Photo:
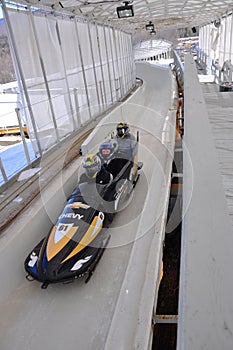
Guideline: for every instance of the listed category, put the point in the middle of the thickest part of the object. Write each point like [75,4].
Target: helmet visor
[120,132]
[105,152]
[92,170]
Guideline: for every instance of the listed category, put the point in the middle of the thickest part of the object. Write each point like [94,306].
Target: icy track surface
[113,310]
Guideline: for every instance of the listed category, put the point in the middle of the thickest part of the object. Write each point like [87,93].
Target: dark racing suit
[103,177]
[126,146]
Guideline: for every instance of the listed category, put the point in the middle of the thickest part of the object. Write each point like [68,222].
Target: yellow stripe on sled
[53,248]
[90,235]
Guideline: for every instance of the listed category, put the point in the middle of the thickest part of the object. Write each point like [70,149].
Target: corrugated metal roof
[165,14]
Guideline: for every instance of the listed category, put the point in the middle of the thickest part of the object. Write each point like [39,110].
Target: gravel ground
[165,334]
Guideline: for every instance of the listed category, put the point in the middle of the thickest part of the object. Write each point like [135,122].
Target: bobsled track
[114,309]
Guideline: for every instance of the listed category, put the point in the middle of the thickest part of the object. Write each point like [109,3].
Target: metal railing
[222,74]
[178,67]
[225,74]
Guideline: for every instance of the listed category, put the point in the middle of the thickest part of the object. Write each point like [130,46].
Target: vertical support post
[122,64]
[117,60]
[109,73]
[230,46]
[93,63]
[113,64]
[220,76]
[20,73]
[101,92]
[126,66]
[225,40]
[133,63]
[5,178]
[83,70]
[231,34]
[129,54]
[101,65]
[77,107]
[208,35]
[220,46]
[17,111]
[121,86]
[44,76]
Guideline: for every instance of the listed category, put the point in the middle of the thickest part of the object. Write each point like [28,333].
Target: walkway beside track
[220,112]
[205,300]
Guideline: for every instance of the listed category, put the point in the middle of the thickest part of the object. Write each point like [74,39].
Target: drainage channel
[166,316]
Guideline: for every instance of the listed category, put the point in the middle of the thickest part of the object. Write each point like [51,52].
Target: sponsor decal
[61,231]
[33,260]
[71,216]
[80,263]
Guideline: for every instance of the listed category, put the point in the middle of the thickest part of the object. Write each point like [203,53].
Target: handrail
[222,74]
[225,73]
[179,67]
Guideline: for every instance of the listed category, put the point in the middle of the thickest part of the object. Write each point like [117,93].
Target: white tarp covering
[71,73]
[217,41]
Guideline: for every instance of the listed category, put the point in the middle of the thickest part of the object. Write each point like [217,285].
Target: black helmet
[107,149]
[122,129]
[92,165]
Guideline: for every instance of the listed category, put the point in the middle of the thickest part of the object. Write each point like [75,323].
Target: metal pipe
[117,61]
[109,74]
[113,65]
[17,111]
[129,51]
[231,34]
[93,63]
[5,178]
[101,63]
[124,73]
[127,64]
[165,319]
[77,107]
[225,39]
[134,75]
[83,70]
[127,60]
[101,92]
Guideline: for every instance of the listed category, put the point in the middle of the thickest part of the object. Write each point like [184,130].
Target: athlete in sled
[77,241]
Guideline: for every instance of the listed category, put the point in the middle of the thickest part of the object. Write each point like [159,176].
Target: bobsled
[77,241]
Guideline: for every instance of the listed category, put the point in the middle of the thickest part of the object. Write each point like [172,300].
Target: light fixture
[125,11]
[153,32]
[217,23]
[150,26]
[194,30]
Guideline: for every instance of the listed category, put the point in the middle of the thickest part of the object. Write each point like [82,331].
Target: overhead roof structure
[150,48]
[164,14]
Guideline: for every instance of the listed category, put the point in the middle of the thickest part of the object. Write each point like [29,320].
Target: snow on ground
[14,159]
